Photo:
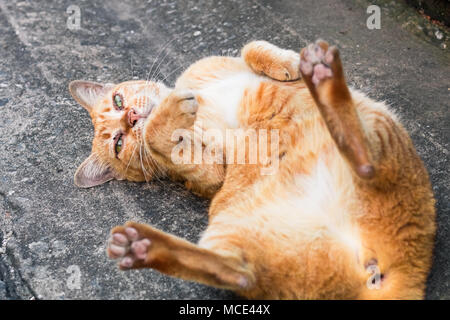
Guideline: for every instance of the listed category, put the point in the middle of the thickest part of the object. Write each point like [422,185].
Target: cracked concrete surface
[52,234]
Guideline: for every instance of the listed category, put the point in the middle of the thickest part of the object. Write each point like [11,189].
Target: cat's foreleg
[276,63]
[138,246]
[172,139]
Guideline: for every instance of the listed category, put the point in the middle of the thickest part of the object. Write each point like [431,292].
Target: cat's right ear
[92,172]
[87,93]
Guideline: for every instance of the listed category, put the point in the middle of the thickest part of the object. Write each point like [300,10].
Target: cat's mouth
[135,116]
[139,128]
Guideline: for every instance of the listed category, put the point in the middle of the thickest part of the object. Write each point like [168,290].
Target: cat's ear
[87,93]
[92,172]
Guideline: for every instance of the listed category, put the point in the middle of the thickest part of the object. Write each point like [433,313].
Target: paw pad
[318,61]
[127,247]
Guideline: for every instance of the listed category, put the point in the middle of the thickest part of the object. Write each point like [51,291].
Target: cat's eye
[118,144]
[118,101]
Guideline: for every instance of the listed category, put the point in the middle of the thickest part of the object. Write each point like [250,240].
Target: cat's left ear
[92,172]
[87,93]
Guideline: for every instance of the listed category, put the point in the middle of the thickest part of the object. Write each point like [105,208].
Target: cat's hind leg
[137,246]
[322,72]
[398,224]
[276,63]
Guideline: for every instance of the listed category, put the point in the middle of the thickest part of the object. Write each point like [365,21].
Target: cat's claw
[126,245]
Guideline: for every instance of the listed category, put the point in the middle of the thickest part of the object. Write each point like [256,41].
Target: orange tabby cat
[348,213]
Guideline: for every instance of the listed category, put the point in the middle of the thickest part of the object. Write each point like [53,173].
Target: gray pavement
[53,234]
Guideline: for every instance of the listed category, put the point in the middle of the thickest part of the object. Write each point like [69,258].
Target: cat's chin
[164,92]
[147,123]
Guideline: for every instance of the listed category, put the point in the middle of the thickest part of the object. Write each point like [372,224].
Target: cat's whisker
[158,68]
[141,141]
[172,72]
[151,162]
[150,73]
[159,170]
[131,158]
[142,165]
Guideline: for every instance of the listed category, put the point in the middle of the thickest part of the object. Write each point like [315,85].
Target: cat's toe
[131,234]
[115,252]
[117,245]
[126,263]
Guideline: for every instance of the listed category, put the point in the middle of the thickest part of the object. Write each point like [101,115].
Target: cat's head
[118,113]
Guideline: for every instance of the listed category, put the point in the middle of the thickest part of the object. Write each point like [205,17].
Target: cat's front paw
[129,246]
[177,111]
[180,102]
[187,103]
[181,109]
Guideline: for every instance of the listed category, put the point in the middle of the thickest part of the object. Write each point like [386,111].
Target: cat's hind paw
[320,62]
[272,61]
[322,71]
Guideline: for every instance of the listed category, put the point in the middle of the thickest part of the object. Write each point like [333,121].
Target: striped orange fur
[350,194]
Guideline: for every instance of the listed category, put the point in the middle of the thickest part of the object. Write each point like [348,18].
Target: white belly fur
[311,210]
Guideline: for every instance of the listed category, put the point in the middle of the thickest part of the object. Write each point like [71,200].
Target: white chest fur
[225,95]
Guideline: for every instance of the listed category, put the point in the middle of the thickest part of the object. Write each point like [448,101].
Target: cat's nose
[133,117]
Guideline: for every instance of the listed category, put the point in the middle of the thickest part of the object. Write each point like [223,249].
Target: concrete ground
[53,234]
